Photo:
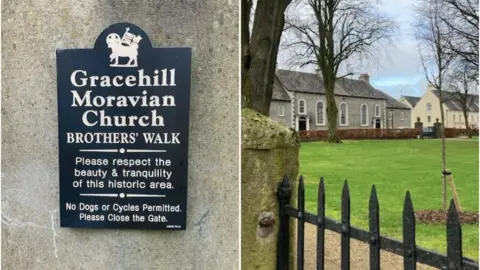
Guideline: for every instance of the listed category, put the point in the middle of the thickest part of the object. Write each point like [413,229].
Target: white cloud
[398,68]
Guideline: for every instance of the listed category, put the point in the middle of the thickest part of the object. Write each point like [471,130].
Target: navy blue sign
[123,118]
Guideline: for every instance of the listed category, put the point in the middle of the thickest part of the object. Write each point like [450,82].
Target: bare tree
[461,19]
[463,84]
[259,51]
[332,32]
[433,36]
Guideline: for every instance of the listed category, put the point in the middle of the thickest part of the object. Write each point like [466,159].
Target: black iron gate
[408,249]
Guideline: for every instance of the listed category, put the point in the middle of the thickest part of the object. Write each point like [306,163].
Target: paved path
[359,253]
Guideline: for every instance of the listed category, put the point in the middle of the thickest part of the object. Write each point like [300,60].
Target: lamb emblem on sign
[127,46]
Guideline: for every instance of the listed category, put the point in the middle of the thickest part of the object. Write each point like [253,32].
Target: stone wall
[31,237]
[269,151]
[353,110]
[394,118]
[286,119]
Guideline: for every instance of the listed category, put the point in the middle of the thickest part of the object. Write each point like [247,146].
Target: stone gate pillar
[419,126]
[269,151]
[437,128]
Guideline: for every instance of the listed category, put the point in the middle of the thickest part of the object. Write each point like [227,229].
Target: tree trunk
[444,156]
[469,133]
[245,40]
[267,29]
[246,91]
[332,113]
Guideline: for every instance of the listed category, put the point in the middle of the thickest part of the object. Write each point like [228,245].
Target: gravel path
[359,253]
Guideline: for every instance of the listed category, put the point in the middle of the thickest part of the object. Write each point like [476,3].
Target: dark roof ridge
[413,100]
[281,69]
[410,96]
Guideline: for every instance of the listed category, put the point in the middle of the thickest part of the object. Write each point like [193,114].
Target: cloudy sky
[396,69]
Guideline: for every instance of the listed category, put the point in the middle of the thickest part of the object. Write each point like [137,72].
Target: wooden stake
[454,191]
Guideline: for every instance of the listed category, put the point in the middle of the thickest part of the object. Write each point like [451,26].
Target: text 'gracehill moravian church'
[162,78]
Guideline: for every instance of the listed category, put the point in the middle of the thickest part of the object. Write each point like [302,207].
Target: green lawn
[394,166]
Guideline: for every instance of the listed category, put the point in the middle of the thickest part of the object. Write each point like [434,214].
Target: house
[299,102]
[410,101]
[427,108]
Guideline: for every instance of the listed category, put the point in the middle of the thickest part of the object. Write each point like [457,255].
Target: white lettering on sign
[80,78]
[102,137]
[122,119]
[120,101]
[93,118]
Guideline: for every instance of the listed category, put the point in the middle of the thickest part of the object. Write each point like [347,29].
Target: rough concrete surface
[269,151]
[31,237]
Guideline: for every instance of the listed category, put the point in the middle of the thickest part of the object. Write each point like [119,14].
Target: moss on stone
[269,151]
[261,132]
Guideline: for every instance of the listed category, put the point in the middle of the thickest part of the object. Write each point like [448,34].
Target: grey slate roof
[359,88]
[279,92]
[304,82]
[312,83]
[451,101]
[393,103]
[412,100]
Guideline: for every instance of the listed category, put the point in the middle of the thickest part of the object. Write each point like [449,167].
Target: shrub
[358,134]
[455,132]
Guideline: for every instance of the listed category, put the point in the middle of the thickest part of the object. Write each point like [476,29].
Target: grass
[394,166]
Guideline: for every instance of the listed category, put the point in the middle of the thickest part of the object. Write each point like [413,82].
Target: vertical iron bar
[409,248]
[321,226]
[454,238]
[301,224]
[284,194]
[345,240]
[374,214]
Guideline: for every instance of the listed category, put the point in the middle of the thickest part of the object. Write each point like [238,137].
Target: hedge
[357,134]
[455,132]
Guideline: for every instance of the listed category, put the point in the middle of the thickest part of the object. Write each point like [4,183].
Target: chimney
[430,87]
[364,77]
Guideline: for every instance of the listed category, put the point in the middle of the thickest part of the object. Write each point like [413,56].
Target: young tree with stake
[433,35]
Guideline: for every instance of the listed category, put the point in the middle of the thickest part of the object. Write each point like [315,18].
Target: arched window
[364,115]
[429,107]
[302,107]
[320,113]
[377,110]
[343,114]
[402,116]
